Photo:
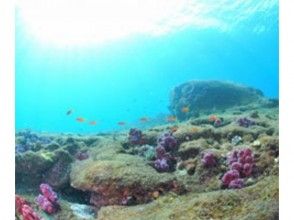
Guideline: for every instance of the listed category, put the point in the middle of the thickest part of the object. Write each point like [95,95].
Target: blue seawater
[132,77]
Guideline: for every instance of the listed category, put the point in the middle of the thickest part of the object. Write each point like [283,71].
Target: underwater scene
[147,110]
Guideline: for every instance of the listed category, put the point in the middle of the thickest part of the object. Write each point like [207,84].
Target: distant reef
[210,96]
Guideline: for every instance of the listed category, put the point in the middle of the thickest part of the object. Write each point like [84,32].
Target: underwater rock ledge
[259,201]
[119,178]
[211,95]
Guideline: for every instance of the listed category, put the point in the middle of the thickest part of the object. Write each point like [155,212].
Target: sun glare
[84,22]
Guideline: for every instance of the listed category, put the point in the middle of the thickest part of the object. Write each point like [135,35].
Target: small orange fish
[174,129]
[121,123]
[80,119]
[92,122]
[144,119]
[212,118]
[69,112]
[185,109]
[171,118]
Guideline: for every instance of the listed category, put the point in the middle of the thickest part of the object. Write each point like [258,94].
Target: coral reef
[194,169]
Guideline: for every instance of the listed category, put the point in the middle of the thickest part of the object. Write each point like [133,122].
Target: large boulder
[113,177]
[210,96]
[33,168]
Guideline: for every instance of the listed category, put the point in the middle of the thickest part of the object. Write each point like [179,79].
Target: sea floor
[111,176]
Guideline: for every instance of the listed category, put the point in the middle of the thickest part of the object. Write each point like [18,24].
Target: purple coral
[45,204]
[241,163]
[49,200]
[164,160]
[168,141]
[217,123]
[236,183]
[237,166]
[135,136]
[208,159]
[242,160]
[160,151]
[229,176]
[245,122]
[28,140]
[161,165]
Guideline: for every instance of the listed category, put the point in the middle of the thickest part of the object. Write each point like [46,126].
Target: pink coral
[46,205]
[237,166]
[242,160]
[241,164]
[48,202]
[48,192]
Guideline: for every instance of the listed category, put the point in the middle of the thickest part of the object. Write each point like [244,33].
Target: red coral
[24,209]
[29,214]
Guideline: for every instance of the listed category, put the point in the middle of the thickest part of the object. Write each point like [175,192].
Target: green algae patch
[259,201]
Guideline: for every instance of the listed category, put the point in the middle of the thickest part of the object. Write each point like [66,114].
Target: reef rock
[30,167]
[207,96]
[190,149]
[259,201]
[58,175]
[113,178]
[34,167]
